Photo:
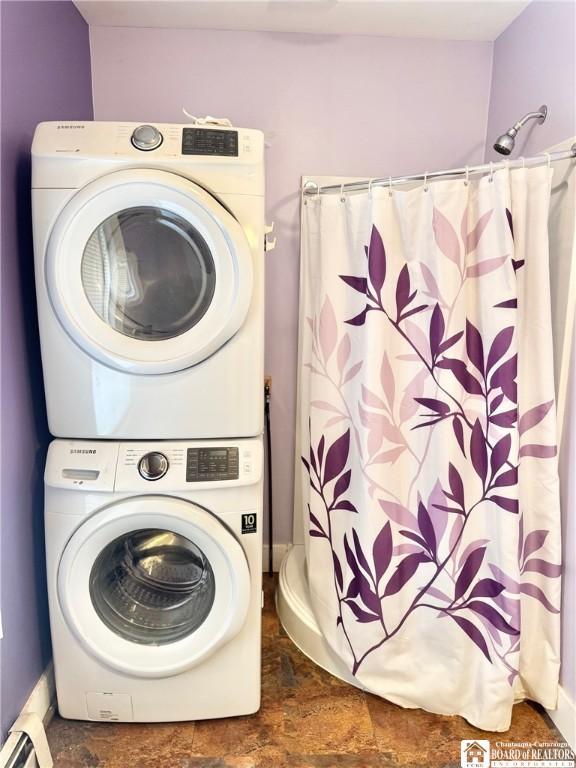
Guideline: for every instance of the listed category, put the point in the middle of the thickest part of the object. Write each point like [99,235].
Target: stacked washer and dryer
[149,257]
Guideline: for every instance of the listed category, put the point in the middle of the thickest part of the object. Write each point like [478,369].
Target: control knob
[153,465]
[146,138]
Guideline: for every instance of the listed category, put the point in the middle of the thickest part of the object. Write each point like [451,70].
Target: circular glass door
[152,585]
[147,272]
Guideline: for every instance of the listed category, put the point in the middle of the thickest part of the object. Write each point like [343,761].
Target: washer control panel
[206,464]
[189,465]
[207,141]
[173,465]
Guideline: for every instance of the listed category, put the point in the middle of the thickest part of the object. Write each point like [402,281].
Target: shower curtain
[427,431]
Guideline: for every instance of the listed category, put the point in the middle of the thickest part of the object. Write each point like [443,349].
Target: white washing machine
[154,565]
[150,279]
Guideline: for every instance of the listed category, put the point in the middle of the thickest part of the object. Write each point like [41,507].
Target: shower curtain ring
[389,186]
[342,198]
[467,179]
[425,181]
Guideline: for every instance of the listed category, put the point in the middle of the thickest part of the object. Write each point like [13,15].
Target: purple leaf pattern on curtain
[399,549]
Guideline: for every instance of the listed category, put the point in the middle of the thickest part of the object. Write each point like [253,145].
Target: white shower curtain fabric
[428,441]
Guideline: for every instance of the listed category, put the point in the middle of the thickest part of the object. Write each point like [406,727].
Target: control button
[247,467]
[146,138]
[153,466]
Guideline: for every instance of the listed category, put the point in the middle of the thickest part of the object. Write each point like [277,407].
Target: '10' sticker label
[249,523]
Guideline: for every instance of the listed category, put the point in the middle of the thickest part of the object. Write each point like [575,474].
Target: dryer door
[153,585]
[147,272]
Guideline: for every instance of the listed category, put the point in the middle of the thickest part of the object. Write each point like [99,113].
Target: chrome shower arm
[540,116]
[505,143]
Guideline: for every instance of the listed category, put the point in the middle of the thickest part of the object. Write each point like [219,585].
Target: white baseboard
[564,717]
[278,552]
[40,703]
[41,700]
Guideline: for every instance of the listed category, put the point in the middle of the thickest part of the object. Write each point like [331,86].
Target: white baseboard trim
[564,717]
[278,552]
[41,704]
[41,700]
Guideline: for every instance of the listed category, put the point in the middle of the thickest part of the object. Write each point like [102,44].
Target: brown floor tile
[420,738]
[118,745]
[270,626]
[225,762]
[299,675]
[202,762]
[340,761]
[261,760]
[321,723]
[246,737]
[308,719]
[270,621]
[271,673]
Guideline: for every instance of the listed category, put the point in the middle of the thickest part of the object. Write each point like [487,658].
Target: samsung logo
[82,450]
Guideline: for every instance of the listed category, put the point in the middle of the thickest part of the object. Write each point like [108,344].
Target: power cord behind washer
[269,474]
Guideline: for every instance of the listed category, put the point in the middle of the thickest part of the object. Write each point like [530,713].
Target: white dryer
[149,275]
[154,566]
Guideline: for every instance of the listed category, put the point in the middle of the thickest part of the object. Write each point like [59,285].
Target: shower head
[505,143]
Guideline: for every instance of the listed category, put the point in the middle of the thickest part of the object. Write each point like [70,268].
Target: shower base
[296,616]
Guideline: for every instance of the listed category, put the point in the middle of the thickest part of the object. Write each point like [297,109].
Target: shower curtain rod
[310,188]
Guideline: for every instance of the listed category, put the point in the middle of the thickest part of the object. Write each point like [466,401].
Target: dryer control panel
[226,160]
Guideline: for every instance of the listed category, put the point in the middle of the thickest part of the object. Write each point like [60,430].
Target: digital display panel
[206,141]
[205,464]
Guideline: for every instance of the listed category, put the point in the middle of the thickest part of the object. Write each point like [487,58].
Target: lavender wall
[45,76]
[534,64]
[329,105]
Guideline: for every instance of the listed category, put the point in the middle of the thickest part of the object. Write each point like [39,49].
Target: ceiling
[436,19]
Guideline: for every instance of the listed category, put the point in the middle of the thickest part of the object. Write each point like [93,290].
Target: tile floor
[308,719]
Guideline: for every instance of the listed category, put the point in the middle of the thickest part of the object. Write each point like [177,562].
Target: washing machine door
[151,586]
[148,272]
